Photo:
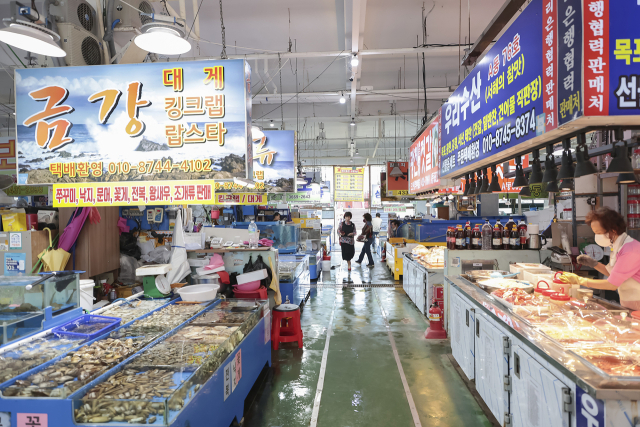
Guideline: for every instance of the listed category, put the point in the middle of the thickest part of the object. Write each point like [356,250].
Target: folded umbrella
[54,260]
[73,228]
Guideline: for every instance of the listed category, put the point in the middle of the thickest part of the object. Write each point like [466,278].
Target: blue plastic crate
[76,327]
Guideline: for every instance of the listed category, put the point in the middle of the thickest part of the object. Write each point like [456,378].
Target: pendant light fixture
[495,184]
[552,187]
[627,178]
[620,162]
[472,185]
[342,98]
[485,182]
[520,180]
[536,169]
[583,165]
[479,182]
[526,192]
[567,185]
[164,35]
[353,121]
[550,171]
[32,38]
[466,186]
[566,168]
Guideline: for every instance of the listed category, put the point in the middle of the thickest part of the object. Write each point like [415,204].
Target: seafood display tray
[88,326]
[164,391]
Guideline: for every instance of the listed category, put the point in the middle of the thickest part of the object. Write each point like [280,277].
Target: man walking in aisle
[377,221]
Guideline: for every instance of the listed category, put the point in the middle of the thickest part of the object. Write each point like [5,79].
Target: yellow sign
[129,193]
[241,199]
[397,193]
[349,184]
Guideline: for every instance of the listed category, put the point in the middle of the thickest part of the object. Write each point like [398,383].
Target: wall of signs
[349,184]
[134,122]
[424,158]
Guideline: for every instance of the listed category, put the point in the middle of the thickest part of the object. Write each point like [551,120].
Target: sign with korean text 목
[349,184]
[134,193]
[504,101]
[424,159]
[134,122]
[274,160]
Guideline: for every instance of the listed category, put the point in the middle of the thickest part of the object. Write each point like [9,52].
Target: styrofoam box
[527,273]
[251,277]
[520,267]
[153,270]
[198,262]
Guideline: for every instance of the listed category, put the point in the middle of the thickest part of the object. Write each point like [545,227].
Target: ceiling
[386,96]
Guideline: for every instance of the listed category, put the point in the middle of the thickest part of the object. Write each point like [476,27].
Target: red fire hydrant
[435,331]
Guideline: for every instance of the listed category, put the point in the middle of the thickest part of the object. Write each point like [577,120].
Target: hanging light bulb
[479,183]
[342,98]
[566,169]
[495,185]
[271,124]
[353,121]
[163,36]
[485,182]
[357,152]
[566,185]
[552,187]
[354,60]
[536,171]
[620,162]
[627,178]
[550,171]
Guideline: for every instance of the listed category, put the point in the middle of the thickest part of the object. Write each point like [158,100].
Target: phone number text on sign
[123,193]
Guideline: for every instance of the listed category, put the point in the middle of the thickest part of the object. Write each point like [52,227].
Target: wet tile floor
[362,383]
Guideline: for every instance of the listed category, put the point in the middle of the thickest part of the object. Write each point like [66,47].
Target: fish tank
[23,300]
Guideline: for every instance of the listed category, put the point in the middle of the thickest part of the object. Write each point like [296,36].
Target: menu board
[349,184]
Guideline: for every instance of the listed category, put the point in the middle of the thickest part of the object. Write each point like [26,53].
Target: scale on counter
[154,281]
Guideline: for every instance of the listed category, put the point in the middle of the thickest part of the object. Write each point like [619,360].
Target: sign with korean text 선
[130,193]
[397,178]
[349,184]
[424,158]
[134,122]
[504,101]
[274,160]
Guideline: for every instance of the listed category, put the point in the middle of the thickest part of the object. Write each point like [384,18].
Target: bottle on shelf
[487,232]
[254,235]
[497,238]
[460,240]
[499,225]
[467,235]
[451,238]
[522,231]
[476,238]
[506,235]
[514,238]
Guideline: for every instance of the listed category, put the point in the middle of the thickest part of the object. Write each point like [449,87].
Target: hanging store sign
[129,193]
[349,184]
[424,158]
[133,122]
[398,179]
[274,159]
[240,199]
[569,60]
[502,102]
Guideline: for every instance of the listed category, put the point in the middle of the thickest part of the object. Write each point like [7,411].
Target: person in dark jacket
[367,237]
[347,231]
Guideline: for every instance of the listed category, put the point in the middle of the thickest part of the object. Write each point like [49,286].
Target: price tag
[5,419]
[227,380]
[33,420]
[238,370]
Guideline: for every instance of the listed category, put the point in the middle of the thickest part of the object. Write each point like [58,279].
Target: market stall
[164,364]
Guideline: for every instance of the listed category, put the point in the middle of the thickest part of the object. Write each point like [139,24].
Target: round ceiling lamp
[164,38]
[32,38]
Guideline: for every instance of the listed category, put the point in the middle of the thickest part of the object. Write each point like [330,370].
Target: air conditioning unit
[82,47]
[130,17]
[77,12]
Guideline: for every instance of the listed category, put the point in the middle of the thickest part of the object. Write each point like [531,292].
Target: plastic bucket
[326,265]
[86,294]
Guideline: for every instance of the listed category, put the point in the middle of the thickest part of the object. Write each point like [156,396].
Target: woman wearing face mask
[624,263]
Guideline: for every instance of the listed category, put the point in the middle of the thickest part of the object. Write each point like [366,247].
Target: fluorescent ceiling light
[32,38]
[164,38]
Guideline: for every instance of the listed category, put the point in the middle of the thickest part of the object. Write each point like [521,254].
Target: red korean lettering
[173,77]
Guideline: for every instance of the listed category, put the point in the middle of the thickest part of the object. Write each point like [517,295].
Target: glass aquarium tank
[23,300]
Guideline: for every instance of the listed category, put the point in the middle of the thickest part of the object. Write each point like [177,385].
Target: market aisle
[362,383]
[359,274]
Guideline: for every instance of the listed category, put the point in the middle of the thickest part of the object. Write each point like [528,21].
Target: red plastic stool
[285,325]
[261,293]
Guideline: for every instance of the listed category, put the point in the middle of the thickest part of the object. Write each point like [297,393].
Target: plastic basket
[88,321]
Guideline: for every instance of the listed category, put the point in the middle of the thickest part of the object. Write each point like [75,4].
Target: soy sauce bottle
[506,236]
[467,235]
[460,240]
[497,238]
[514,238]
[476,238]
